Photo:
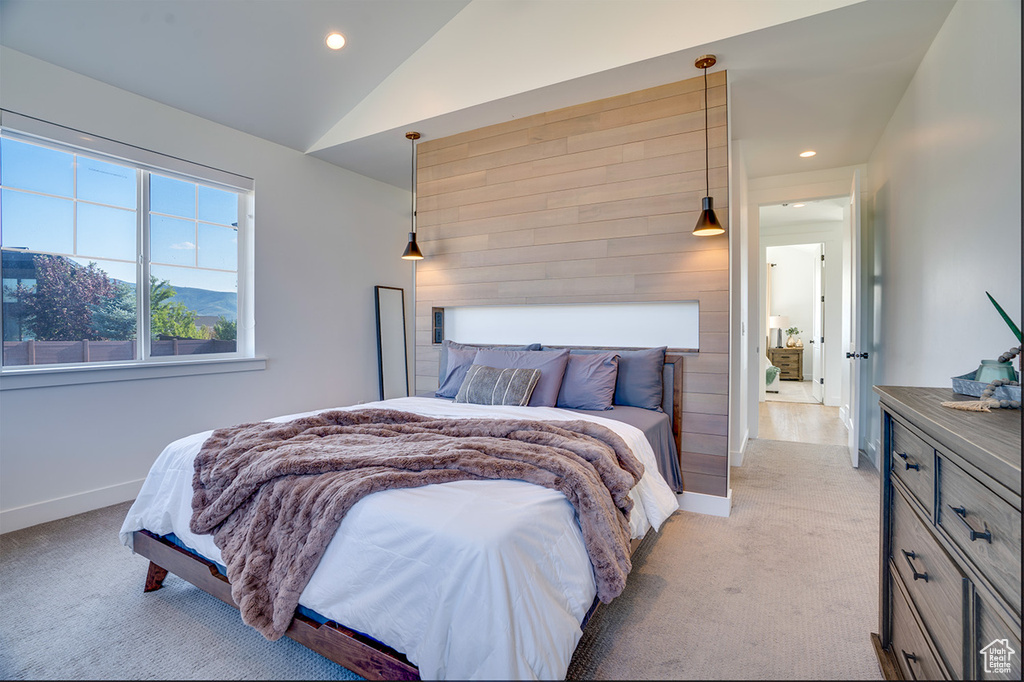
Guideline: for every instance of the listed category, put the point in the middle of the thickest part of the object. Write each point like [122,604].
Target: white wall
[323,238]
[945,186]
[743,354]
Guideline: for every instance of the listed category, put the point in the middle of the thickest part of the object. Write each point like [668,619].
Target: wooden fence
[52,352]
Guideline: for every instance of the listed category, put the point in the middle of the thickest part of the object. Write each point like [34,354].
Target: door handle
[855,355]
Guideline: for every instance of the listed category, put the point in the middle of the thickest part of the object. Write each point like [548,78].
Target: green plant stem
[1014,328]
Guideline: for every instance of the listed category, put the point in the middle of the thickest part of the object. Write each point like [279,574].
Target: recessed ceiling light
[335,41]
[799,205]
[807,154]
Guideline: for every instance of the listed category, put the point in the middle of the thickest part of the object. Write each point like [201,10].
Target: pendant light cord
[412,197]
[707,156]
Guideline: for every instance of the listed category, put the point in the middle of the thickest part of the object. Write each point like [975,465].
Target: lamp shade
[778,321]
[707,223]
[412,251]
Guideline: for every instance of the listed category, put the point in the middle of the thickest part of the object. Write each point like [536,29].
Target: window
[113,254]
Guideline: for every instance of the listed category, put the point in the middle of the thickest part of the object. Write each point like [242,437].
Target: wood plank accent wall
[594,203]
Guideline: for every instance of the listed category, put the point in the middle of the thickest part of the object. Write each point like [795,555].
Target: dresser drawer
[935,584]
[913,461]
[994,641]
[909,644]
[984,526]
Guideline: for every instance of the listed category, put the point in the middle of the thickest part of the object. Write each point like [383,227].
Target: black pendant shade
[707,223]
[412,251]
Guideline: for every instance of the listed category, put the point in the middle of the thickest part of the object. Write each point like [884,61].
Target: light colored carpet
[785,588]
[72,608]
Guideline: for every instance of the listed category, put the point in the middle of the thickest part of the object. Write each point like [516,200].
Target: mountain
[205,302]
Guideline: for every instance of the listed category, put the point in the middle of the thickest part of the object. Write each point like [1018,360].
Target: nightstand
[790,361]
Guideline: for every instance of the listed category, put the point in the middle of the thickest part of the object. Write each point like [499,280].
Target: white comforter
[471,579]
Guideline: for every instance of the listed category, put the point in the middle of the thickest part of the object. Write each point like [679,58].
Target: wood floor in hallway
[800,422]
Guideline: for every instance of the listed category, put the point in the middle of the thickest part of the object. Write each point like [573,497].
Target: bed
[486,579]
[771,375]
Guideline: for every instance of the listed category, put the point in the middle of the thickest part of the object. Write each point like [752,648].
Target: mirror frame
[380,349]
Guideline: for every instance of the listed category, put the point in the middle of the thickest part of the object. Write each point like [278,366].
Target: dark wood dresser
[950,565]
[790,361]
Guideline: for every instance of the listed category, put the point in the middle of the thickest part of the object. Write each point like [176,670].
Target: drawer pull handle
[961,514]
[909,658]
[910,556]
[915,467]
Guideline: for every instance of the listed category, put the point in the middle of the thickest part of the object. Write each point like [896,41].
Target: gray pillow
[551,364]
[442,369]
[589,381]
[493,386]
[459,361]
[639,382]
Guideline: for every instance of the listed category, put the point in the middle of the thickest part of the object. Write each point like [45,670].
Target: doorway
[801,296]
[794,279]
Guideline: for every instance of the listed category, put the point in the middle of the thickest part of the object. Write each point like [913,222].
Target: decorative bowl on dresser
[790,361]
[949,564]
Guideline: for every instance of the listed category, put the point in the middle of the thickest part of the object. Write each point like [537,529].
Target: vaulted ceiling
[820,74]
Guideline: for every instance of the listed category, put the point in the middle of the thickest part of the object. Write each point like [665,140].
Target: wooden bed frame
[362,655]
[355,651]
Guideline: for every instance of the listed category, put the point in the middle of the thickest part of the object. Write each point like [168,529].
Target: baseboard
[872,453]
[699,503]
[62,507]
[736,456]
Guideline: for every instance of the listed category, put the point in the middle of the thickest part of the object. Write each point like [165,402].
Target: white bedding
[471,579]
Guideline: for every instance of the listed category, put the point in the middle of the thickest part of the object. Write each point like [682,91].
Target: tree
[60,305]
[165,316]
[225,329]
[114,318]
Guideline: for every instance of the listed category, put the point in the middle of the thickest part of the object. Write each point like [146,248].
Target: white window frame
[25,128]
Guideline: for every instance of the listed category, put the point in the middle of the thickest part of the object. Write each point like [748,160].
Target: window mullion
[142,295]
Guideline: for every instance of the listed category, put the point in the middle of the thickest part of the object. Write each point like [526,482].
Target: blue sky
[192,228]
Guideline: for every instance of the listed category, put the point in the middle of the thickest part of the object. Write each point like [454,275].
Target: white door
[817,332]
[852,355]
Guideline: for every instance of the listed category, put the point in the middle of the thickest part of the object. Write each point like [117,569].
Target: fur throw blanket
[273,494]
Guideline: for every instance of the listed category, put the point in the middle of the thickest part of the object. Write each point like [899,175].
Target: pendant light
[412,251]
[707,224]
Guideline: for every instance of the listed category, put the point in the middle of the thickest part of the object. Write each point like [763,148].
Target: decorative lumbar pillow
[639,381]
[497,386]
[589,381]
[446,345]
[459,361]
[551,364]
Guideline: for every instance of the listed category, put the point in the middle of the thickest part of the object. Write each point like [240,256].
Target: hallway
[801,422]
[792,392]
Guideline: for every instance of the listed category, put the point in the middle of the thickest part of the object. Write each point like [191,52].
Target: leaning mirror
[392,360]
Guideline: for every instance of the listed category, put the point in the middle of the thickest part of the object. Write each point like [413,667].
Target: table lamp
[778,322]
